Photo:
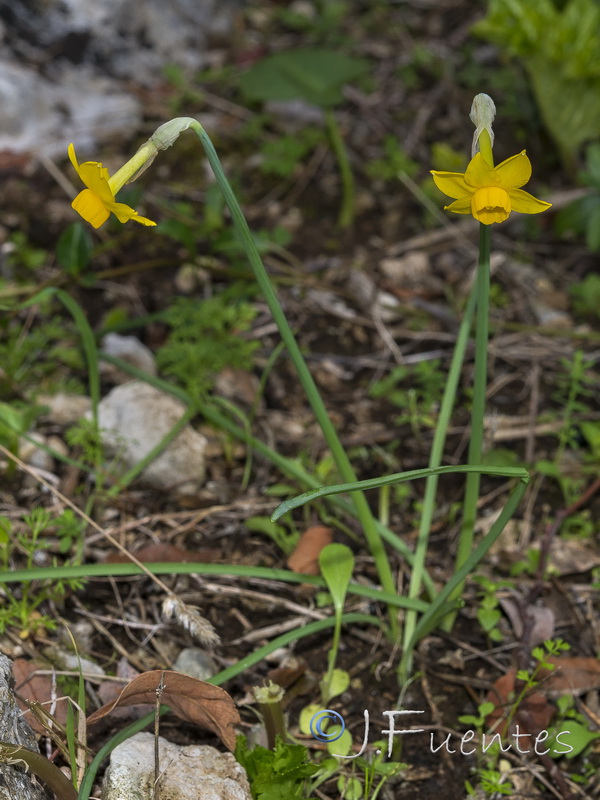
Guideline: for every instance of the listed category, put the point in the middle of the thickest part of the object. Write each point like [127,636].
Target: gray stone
[74,94]
[196,663]
[14,783]
[134,418]
[129,349]
[195,772]
[65,409]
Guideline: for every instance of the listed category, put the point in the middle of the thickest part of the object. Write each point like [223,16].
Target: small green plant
[282,155]
[337,565]
[205,338]
[21,610]
[283,538]
[488,613]
[394,161]
[492,782]
[576,389]
[276,774]
[415,390]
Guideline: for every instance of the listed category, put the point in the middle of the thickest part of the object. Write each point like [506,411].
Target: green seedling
[205,338]
[337,565]
[283,538]
[492,782]
[488,613]
[20,609]
[278,773]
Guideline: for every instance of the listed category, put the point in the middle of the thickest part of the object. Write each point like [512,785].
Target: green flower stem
[465,544]
[435,460]
[346,215]
[342,461]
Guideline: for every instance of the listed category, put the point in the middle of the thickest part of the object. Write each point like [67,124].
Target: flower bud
[482,115]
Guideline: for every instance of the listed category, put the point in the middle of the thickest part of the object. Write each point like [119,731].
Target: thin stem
[435,460]
[346,215]
[465,544]
[342,461]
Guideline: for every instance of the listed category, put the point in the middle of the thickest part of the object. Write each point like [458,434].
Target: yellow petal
[513,173]
[124,213]
[95,177]
[73,158]
[526,203]
[143,221]
[479,173]
[451,183]
[462,206]
[91,208]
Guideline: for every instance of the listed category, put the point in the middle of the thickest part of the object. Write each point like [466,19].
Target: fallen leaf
[38,689]
[575,675]
[108,691]
[533,714]
[190,699]
[305,558]
[543,620]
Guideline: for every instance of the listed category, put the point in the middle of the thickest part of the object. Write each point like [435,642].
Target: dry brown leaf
[37,689]
[190,699]
[305,558]
[533,714]
[574,675]
[108,691]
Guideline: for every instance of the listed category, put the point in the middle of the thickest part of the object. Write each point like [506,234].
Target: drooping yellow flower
[490,193]
[96,202]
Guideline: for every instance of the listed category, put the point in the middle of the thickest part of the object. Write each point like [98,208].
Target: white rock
[129,349]
[35,456]
[65,409]
[134,418]
[195,772]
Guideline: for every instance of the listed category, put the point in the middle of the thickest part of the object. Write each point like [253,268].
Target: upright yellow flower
[490,193]
[96,202]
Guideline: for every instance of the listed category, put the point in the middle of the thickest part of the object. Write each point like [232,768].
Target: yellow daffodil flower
[96,202]
[490,193]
